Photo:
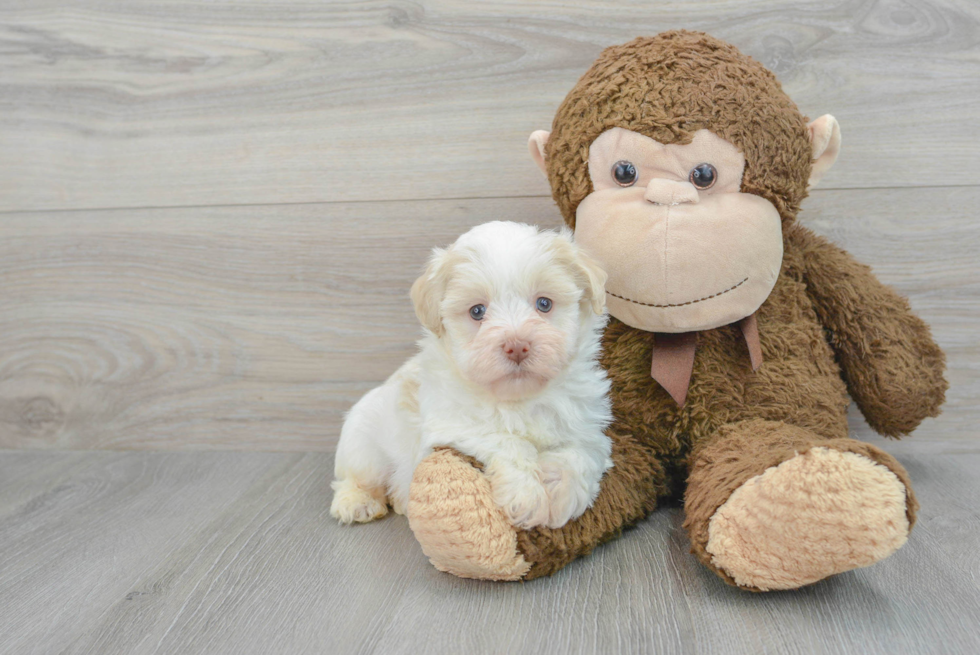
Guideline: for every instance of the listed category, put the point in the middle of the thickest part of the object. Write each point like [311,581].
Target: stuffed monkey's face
[684,249]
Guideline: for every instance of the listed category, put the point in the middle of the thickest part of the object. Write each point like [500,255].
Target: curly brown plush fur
[668,87]
[828,328]
[801,384]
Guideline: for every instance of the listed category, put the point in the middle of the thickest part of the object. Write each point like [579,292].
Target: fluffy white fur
[537,424]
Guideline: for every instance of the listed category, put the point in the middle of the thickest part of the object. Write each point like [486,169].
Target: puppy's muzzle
[517,350]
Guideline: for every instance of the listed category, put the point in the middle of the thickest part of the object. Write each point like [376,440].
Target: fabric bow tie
[673,357]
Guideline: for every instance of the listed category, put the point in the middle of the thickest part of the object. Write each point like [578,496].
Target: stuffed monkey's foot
[817,514]
[823,510]
[460,528]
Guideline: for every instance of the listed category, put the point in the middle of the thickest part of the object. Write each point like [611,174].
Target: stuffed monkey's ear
[825,140]
[535,145]
[428,290]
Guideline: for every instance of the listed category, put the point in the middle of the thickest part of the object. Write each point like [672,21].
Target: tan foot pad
[454,518]
[815,515]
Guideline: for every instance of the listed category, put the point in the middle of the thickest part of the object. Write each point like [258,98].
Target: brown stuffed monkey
[735,335]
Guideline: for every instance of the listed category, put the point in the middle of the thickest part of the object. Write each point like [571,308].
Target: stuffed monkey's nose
[670,192]
[517,350]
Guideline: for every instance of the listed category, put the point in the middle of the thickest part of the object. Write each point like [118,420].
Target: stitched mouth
[682,304]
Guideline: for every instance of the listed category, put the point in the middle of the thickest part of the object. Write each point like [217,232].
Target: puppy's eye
[703,176]
[624,172]
[543,305]
[477,312]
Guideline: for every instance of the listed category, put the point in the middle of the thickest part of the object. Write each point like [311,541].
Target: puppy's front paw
[355,504]
[521,497]
[569,494]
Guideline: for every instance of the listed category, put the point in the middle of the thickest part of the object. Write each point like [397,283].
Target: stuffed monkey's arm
[892,366]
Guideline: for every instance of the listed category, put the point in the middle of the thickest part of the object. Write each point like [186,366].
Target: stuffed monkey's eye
[703,176]
[477,312]
[543,305]
[624,172]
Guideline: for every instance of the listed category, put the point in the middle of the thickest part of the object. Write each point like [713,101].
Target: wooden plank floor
[154,104]
[210,214]
[139,552]
[256,328]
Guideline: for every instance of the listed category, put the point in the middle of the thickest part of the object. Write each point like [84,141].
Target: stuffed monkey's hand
[892,365]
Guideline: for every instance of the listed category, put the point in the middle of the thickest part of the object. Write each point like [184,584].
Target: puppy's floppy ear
[428,290]
[588,272]
[596,280]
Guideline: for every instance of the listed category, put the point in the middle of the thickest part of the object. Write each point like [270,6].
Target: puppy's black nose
[517,350]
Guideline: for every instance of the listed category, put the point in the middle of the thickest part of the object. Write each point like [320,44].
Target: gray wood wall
[210,213]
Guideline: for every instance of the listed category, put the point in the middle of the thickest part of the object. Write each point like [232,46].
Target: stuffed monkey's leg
[773,506]
[452,514]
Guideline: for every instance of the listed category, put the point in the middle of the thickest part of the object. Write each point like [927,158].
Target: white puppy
[507,373]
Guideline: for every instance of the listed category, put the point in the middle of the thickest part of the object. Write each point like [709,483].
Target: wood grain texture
[256,328]
[234,328]
[306,156]
[235,553]
[143,104]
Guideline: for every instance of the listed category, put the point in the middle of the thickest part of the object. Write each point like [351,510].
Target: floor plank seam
[328,203]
